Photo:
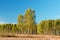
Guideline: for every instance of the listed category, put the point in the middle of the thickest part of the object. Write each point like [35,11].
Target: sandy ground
[36,37]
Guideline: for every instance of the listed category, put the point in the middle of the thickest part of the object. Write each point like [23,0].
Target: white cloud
[2,22]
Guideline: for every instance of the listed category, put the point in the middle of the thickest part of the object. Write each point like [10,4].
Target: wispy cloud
[2,22]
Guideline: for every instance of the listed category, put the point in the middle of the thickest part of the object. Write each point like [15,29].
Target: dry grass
[31,37]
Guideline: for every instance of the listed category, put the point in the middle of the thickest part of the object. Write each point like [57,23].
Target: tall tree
[30,21]
[20,23]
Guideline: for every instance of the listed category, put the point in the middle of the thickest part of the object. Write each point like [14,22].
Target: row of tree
[50,27]
[27,25]
[8,28]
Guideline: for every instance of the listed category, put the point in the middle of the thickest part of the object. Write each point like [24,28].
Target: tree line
[27,25]
[49,27]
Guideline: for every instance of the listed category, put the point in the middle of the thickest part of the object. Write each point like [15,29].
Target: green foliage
[30,21]
[27,25]
[51,27]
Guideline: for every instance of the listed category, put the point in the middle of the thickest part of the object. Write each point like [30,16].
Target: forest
[26,24]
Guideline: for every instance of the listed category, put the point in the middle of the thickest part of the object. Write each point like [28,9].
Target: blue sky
[44,9]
